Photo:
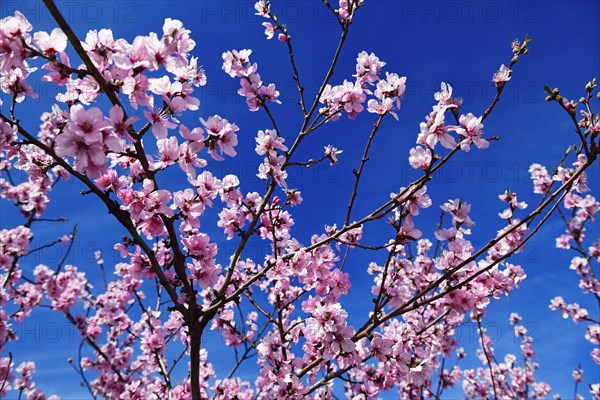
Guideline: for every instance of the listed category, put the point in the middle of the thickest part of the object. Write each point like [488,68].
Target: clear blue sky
[462,43]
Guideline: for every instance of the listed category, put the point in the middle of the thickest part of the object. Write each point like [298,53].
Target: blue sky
[462,43]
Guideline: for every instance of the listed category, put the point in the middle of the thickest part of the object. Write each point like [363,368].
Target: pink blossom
[119,123]
[127,56]
[14,82]
[262,8]
[190,72]
[8,135]
[347,8]
[541,179]
[84,139]
[15,25]
[136,88]
[459,211]
[13,28]
[268,142]
[385,106]
[393,87]
[420,158]
[408,229]
[159,53]
[471,129]
[57,73]
[160,125]
[221,136]
[562,242]
[331,153]
[168,153]
[269,92]
[503,75]
[445,99]
[368,67]
[233,63]
[51,44]
[352,98]
[269,30]
[435,130]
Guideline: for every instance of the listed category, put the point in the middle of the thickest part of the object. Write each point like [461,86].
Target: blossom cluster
[237,64]
[287,308]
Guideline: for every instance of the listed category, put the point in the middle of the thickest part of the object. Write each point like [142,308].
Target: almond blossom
[84,139]
[503,75]
[202,249]
[471,130]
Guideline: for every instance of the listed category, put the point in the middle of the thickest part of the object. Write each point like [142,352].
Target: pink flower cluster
[271,145]
[436,130]
[581,211]
[347,8]
[350,96]
[505,379]
[237,64]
